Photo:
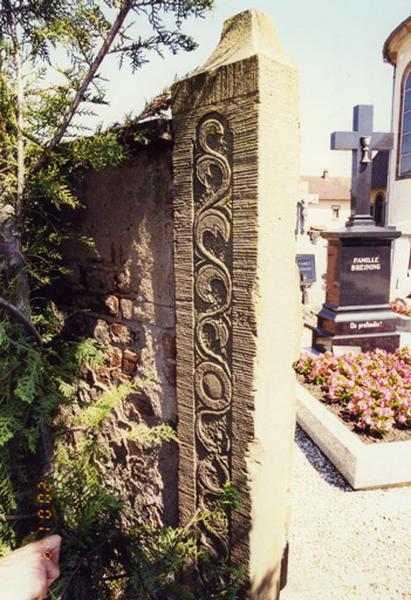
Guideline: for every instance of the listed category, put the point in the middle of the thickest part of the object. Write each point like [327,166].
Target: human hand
[27,573]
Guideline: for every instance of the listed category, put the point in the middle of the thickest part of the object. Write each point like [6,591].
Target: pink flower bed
[400,306]
[374,388]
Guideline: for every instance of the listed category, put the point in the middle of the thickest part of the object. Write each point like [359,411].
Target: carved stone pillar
[236,185]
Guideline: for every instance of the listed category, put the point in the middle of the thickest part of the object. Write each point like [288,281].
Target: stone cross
[362,141]
[237,293]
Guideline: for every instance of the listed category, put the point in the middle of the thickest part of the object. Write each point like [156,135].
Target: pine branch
[58,136]
[11,518]
[81,562]
[20,109]
[13,252]
[13,310]
[59,432]
[155,107]
[115,577]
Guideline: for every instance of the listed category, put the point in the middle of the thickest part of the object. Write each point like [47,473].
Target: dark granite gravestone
[356,313]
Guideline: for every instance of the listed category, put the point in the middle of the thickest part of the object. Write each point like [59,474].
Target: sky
[336,46]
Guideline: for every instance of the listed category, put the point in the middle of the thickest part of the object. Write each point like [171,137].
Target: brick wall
[122,293]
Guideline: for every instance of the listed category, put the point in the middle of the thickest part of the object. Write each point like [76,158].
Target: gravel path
[345,544]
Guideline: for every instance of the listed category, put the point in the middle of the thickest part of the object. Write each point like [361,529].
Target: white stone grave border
[364,466]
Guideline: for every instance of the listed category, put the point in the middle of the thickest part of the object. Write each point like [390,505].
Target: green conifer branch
[26,322]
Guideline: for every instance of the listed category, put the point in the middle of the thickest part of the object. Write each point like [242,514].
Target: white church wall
[319,214]
[324,213]
[400,189]
[399,208]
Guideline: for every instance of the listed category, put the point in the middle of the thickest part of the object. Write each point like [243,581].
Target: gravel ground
[345,544]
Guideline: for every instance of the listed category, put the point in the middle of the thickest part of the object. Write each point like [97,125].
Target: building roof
[394,41]
[339,188]
[329,188]
[380,170]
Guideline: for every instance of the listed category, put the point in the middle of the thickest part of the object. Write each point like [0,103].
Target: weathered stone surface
[112,303]
[116,357]
[121,334]
[102,332]
[103,375]
[246,34]
[127,309]
[236,183]
[125,292]
[118,377]
[142,477]
[130,360]
[169,345]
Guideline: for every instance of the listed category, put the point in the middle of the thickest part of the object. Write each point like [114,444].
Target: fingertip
[53,572]
[53,541]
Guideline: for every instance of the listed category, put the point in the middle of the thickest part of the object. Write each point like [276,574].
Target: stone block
[121,334]
[118,377]
[102,375]
[168,343]
[126,309]
[170,371]
[116,357]
[403,323]
[112,305]
[102,332]
[154,314]
[129,216]
[99,279]
[130,360]
[123,281]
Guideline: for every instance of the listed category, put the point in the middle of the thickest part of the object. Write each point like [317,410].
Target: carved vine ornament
[212,238]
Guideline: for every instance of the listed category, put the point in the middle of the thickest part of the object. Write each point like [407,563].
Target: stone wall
[123,295]
[229,210]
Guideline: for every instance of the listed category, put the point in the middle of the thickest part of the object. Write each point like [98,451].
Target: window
[336,211]
[404,166]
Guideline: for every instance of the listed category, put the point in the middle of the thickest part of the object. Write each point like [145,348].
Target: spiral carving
[212,238]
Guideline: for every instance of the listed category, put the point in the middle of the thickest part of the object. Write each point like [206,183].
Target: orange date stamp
[44,513]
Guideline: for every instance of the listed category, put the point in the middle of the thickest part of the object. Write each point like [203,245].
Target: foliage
[49,88]
[93,415]
[102,556]
[34,384]
[373,387]
[149,436]
[48,79]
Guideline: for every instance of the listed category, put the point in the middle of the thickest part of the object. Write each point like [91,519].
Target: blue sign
[306,265]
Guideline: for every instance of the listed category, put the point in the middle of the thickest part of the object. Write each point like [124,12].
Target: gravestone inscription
[356,313]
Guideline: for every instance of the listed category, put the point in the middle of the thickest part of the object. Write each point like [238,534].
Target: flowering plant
[373,387]
[400,306]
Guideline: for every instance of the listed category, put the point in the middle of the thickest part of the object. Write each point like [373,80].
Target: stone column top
[246,34]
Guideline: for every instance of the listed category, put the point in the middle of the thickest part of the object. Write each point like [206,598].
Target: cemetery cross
[356,314]
[362,141]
